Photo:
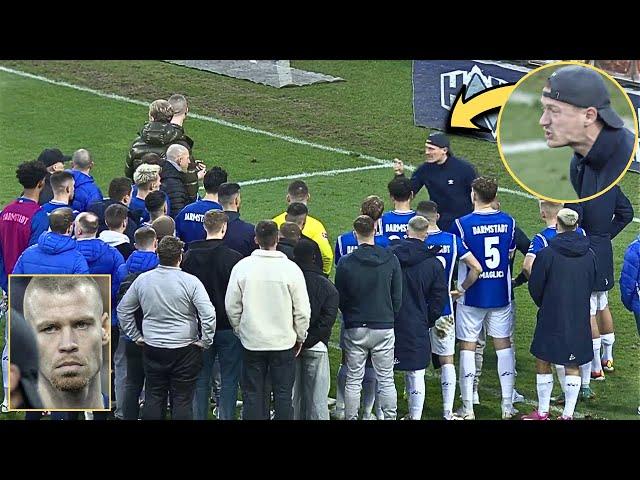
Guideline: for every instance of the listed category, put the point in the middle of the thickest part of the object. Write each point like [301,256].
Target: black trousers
[260,367]
[173,371]
[135,381]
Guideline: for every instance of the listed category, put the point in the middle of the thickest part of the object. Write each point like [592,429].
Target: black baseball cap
[438,139]
[582,87]
[51,156]
[24,354]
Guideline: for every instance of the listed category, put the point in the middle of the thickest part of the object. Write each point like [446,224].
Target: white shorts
[443,346]
[469,321]
[598,301]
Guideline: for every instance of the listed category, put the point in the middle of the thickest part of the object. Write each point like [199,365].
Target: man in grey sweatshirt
[172,302]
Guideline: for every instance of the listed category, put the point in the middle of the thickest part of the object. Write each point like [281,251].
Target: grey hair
[81,158]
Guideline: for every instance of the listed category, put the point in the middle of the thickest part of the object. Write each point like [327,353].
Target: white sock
[342,381]
[415,390]
[572,389]
[608,339]
[545,386]
[560,371]
[467,372]
[448,383]
[369,386]
[585,373]
[595,363]
[505,372]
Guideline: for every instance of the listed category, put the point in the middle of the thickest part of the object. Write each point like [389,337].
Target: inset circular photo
[567,132]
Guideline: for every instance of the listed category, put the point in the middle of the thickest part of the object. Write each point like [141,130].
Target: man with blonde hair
[147,180]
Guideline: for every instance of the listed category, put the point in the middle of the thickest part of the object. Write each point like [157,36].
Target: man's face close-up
[563,124]
[69,334]
[434,153]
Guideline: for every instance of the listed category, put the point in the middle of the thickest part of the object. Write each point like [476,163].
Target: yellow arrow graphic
[463,112]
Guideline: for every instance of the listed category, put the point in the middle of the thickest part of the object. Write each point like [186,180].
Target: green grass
[369,113]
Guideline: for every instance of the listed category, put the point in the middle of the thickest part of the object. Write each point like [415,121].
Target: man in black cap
[24,365]
[447,179]
[577,113]
[54,160]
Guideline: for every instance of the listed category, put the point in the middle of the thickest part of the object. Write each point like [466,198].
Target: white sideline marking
[524,147]
[380,162]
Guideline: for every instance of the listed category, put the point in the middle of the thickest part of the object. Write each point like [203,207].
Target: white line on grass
[379,161]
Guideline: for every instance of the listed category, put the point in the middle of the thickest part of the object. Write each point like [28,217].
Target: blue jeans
[229,350]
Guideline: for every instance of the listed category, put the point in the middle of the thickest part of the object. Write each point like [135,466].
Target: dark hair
[151,158]
[89,222]
[298,190]
[169,250]
[165,226]
[213,179]
[428,209]
[119,188]
[364,226]
[227,192]
[154,201]
[267,233]
[144,236]
[304,252]
[60,220]
[30,173]
[485,188]
[372,206]
[290,231]
[400,189]
[214,220]
[115,215]
[60,180]
[296,213]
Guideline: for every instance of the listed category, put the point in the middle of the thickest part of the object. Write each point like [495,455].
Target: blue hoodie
[630,278]
[86,191]
[53,254]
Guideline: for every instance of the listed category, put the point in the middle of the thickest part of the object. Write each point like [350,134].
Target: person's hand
[140,342]
[443,326]
[456,294]
[202,170]
[298,348]
[398,166]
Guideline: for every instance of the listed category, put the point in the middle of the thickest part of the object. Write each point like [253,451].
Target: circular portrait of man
[567,132]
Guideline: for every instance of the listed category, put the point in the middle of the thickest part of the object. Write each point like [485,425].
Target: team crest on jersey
[476,81]
[325,236]
[450,182]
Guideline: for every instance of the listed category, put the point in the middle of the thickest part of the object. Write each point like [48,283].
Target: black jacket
[424,294]
[133,221]
[286,246]
[46,195]
[369,281]
[240,235]
[323,298]
[562,279]
[606,160]
[172,182]
[602,219]
[212,261]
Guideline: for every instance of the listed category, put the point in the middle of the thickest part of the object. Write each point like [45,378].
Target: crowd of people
[211,311]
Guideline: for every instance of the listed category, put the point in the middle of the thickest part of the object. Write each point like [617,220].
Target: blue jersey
[394,224]
[52,205]
[490,236]
[189,222]
[541,239]
[138,204]
[347,243]
[452,249]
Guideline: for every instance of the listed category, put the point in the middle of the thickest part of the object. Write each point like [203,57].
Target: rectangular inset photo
[59,342]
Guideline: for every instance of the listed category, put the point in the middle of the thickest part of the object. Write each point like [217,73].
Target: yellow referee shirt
[315,231]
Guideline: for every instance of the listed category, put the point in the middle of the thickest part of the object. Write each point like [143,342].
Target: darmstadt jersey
[395,223]
[452,249]
[347,243]
[541,239]
[490,236]
[189,222]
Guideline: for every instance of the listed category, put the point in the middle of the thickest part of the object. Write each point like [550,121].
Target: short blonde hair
[146,173]
[161,111]
[550,209]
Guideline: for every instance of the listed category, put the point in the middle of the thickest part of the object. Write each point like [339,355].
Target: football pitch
[339,138]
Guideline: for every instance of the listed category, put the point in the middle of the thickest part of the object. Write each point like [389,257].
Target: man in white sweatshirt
[268,308]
